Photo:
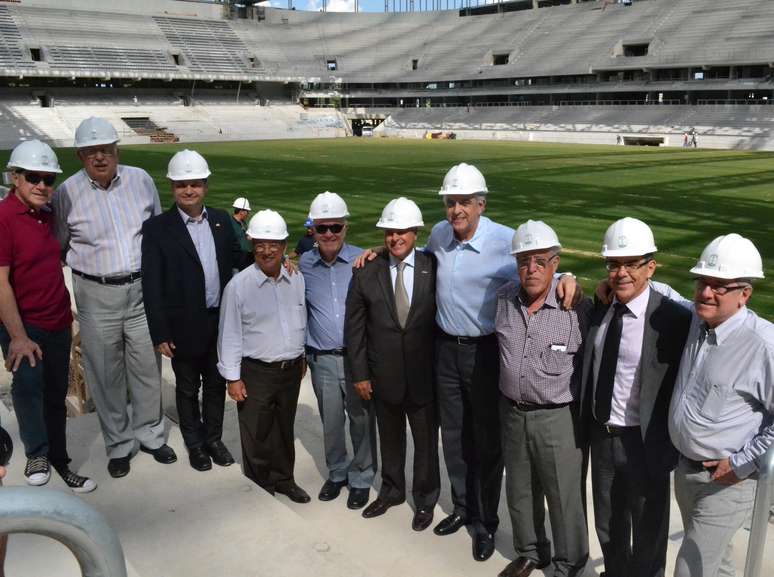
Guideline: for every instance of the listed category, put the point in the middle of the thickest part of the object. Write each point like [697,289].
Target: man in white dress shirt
[261,355]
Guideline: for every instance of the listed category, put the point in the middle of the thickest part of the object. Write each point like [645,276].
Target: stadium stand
[189,63]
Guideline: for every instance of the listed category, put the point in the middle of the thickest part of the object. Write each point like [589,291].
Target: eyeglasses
[104,150]
[267,247]
[540,262]
[324,228]
[719,290]
[631,266]
[35,178]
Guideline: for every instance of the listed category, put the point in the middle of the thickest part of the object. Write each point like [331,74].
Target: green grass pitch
[687,196]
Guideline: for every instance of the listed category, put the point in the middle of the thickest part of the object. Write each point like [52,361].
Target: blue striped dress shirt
[100,230]
[201,235]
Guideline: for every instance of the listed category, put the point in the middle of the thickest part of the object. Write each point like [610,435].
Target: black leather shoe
[378,507]
[451,524]
[119,467]
[422,519]
[199,459]
[357,498]
[294,493]
[164,454]
[331,489]
[221,456]
[520,567]
[483,546]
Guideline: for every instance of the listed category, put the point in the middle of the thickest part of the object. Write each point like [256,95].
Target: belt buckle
[610,430]
[284,365]
[460,340]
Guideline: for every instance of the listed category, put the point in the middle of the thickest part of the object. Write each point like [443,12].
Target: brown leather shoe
[520,567]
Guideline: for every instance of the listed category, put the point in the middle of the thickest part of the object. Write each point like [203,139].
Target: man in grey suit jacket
[631,359]
[389,329]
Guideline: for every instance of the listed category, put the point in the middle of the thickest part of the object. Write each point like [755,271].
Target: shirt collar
[728,326]
[20,208]
[550,297]
[347,254]
[409,260]
[639,304]
[187,219]
[263,279]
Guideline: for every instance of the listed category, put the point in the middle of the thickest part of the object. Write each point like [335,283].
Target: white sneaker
[37,471]
[76,482]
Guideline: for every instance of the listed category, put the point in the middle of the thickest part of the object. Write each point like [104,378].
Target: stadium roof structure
[148,40]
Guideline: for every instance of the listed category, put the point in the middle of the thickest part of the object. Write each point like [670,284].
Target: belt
[527,407]
[111,280]
[698,465]
[463,340]
[279,365]
[340,352]
[616,431]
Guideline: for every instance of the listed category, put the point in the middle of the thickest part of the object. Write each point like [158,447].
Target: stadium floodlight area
[597,56]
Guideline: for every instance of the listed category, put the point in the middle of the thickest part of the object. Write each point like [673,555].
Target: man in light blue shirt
[474,261]
[721,417]
[327,271]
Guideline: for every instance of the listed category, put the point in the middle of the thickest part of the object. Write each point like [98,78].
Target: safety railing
[68,520]
[760,519]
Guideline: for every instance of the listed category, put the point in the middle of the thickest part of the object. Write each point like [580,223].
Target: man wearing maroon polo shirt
[35,315]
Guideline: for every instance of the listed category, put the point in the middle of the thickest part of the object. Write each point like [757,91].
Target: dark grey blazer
[666,329]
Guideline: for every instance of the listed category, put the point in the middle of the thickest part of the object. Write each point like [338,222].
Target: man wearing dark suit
[188,254]
[631,359]
[389,328]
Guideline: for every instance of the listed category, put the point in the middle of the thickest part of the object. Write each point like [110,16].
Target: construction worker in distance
[239,218]
[721,418]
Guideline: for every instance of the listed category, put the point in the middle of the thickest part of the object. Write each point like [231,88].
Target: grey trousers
[712,514]
[119,360]
[543,461]
[337,400]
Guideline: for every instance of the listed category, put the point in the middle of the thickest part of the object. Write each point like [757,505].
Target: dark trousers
[468,398]
[391,420]
[631,505]
[191,373]
[39,394]
[266,422]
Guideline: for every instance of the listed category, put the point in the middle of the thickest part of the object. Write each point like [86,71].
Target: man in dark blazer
[389,330]
[631,359]
[188,254]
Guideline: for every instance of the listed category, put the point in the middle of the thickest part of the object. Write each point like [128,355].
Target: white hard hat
[34,155]
[728,257]
[628,237]
[463,179]
[328,205]
[400,214]
[242,204]
[534,235]
[95,131]
[188,165]
[267,225]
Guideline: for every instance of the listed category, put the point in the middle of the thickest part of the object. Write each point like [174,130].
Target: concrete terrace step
[176,522]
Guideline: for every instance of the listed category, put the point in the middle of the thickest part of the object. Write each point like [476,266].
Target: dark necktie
[608,364]
[402,304]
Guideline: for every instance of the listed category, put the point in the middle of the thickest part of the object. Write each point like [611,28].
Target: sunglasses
[35,178]
[324,228]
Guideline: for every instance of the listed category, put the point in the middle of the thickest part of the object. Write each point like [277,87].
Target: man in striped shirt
[99,215]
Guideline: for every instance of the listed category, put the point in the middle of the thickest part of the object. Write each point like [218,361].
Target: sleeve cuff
[230,373]
[742,470]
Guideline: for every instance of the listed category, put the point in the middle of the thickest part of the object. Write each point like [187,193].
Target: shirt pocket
[297,318]
[556,362]
[713,398]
